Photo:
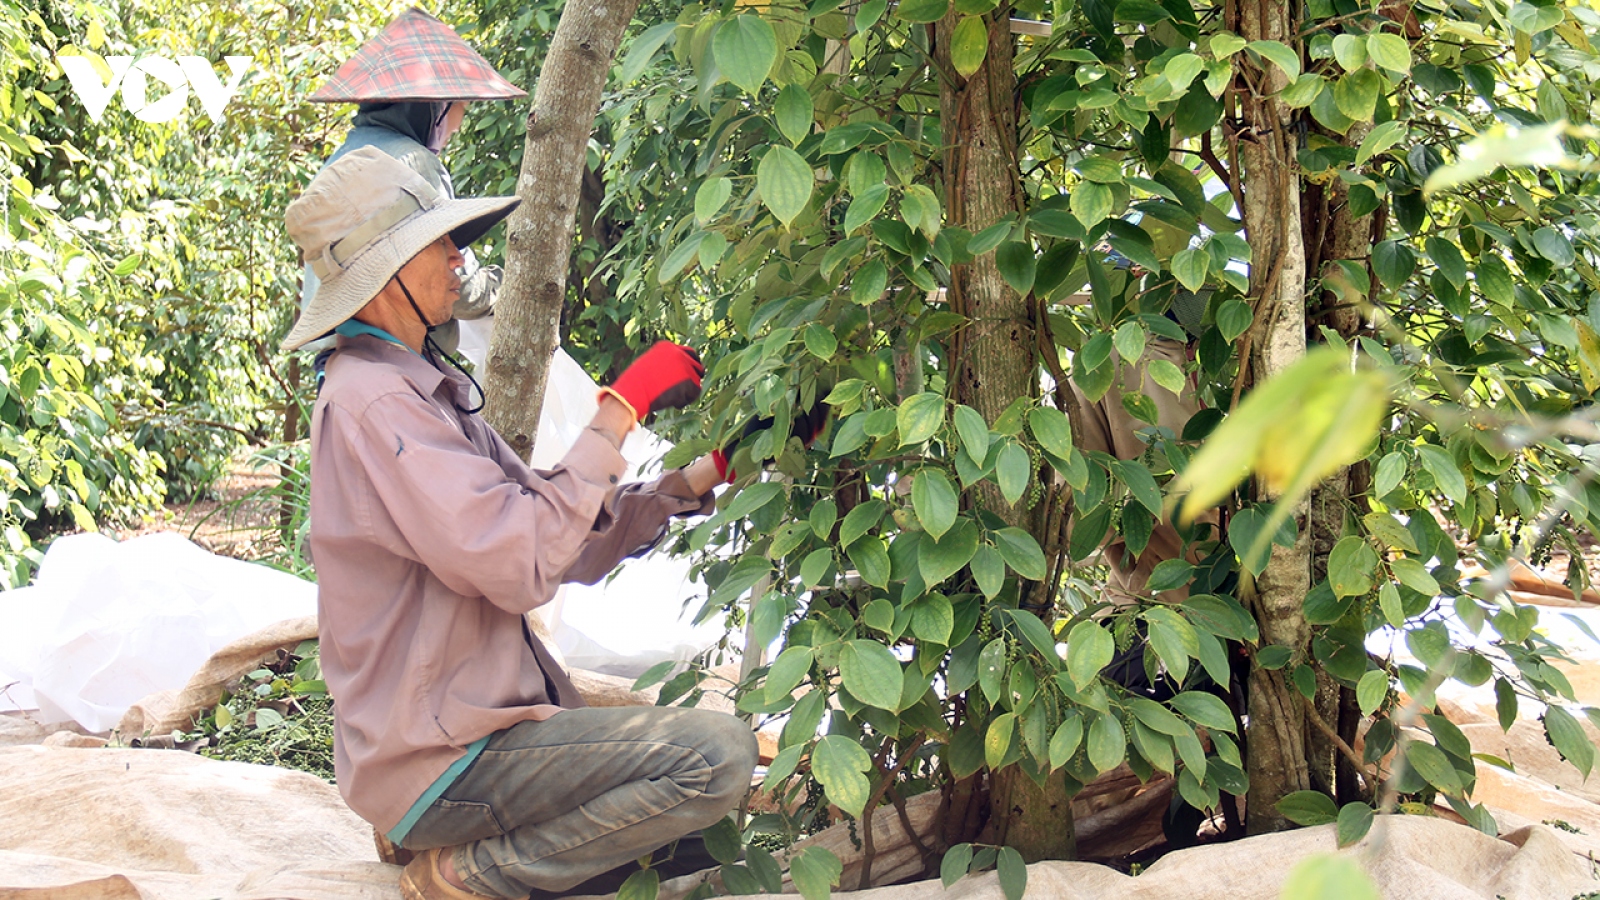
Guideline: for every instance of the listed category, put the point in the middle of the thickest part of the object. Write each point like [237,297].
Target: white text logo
[132,76]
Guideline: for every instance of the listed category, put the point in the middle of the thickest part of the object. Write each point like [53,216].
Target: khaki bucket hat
[360,220]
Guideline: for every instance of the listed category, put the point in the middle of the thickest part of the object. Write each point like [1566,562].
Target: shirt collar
[355,327]
[378,346]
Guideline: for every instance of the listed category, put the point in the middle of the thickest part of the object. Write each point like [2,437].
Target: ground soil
[238,521]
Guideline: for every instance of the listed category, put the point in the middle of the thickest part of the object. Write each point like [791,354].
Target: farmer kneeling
[457,734]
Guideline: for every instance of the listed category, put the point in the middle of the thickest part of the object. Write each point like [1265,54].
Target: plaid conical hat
[416,57]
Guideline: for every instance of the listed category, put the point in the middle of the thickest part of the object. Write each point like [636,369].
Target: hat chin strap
[434,349]
[414,307]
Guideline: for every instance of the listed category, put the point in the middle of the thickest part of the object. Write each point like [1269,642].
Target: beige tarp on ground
[169,825]
[111,824]
[95,824]
[168,711]
[1411,859]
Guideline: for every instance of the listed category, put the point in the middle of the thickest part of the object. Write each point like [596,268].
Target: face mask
[439,133]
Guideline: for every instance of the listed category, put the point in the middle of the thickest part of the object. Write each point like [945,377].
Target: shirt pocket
[428,662]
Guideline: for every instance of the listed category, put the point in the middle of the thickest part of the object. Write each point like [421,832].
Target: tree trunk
[1036,821]
[539,233]
[1331,234]
[291,433]
[1266,162]
[994,355]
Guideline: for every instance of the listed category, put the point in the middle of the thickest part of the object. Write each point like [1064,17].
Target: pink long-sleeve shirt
[431,539]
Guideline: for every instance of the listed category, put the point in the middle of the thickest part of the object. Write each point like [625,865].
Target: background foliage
[144,292]
[772,183]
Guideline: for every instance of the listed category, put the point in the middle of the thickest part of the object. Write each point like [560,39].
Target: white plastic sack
[633,622]
[570,402]
[106,623]
[637,619]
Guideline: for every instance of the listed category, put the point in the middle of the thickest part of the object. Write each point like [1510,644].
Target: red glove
[806,427]
[667,376]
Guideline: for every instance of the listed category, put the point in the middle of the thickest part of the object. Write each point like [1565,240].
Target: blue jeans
[549,804]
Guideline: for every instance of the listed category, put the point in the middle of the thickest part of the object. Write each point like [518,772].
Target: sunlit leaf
[1537,146]
[1295,429]
[1380,139]
[815,871]
[920,417]
[1280,55]
[997,740]
[1326,876]
[745,49]
[838,763]
[1389,51]
[1190,267]
[1052,430]
[871,673]
[969,45]
[934,500]
[784,181]
[1372,690]
[1444,470]
[793,110]
[1352,567]
[1091,203]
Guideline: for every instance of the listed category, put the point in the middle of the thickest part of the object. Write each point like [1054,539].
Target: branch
[867,849]
[266,362]
[905,823]
[1210,158]
[1368,779]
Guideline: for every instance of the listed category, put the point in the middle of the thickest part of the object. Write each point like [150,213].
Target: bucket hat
[360,220]
[416,57]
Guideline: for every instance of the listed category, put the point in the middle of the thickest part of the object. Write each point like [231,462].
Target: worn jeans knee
[591,789]
[733,752]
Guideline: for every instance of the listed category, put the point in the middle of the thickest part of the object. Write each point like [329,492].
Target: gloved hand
[806,426]
[667,376]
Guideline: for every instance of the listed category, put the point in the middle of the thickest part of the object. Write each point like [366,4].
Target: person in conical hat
[457,734]
[413,82]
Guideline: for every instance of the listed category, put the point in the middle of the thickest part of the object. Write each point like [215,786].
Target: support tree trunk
[539,233]
[1267,145]
[1333,233]
[994,358]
